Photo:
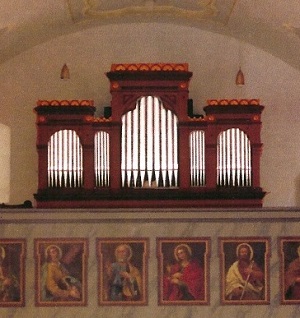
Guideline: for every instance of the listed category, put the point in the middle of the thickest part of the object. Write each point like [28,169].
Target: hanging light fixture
[240,79]
[65,73]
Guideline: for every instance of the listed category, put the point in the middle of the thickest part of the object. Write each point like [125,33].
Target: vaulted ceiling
[272,25]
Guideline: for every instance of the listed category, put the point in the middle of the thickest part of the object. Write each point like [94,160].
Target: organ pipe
[64,160]
[149,134]
[234,159]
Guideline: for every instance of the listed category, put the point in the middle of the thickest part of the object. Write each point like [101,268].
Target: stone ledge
[269,215]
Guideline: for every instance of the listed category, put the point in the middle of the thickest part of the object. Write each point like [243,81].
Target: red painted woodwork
[170,83]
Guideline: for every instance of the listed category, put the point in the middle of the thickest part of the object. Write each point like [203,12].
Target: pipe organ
[151,150]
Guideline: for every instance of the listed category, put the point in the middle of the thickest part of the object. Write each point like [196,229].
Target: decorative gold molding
[74,102]
[183,67]
[81,10]
[232,102]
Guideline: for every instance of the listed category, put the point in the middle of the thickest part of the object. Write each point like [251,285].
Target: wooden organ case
[150,151]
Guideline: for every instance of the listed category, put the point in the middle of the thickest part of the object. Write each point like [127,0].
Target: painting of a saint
[122,265]
[244,269]
[12,256]
[61,272]
[289,251]
[183,271]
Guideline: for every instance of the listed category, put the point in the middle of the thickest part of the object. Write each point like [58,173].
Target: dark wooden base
[150,198]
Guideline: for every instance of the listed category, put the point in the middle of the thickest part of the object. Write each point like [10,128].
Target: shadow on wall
[297,190]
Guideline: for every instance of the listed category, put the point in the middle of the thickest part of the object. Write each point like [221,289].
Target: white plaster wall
[214,60]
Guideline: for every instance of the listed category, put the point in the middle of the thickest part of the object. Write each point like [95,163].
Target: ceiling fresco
[271,25]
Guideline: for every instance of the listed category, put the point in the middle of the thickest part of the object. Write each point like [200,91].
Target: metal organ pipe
[102,159]
[64,160]
[149,150]
[197,155]
[234,159]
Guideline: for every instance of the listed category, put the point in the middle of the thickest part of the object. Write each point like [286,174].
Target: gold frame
[106,249]
[261,256]
[14,253]
[288,254]
[199,250]
[73,257]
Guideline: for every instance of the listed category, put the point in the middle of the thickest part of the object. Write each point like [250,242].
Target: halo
[128,249]
[250,249]
[53,246]
[2,253]
[185,246]
[298,250]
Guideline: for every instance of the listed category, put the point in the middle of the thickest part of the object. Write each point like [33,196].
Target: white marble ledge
[149,215]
